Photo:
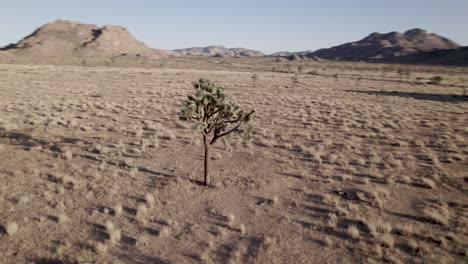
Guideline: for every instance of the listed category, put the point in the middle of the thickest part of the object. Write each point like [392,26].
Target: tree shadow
[134,256]
[47,261]
[22,139]
[451,98]
[27,141]
[410,217]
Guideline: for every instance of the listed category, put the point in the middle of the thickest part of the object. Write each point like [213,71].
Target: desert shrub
[295,79]
[215,114]
[436,80]
[254,79]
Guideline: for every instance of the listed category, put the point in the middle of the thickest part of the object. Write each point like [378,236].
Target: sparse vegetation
[436,80]
[353,232]
[254,79]
[11,228]
[373,174]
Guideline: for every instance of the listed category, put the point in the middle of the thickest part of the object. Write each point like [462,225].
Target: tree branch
[216,137]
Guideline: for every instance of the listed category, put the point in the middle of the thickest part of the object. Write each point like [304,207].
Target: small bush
[436,80]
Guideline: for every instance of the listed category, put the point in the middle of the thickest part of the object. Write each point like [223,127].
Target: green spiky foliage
[215,114]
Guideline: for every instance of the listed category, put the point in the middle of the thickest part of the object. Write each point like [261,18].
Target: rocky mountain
[288,53]
[219,51]
[63,38]
[378,46]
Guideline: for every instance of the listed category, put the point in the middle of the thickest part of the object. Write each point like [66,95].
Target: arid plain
[343,163]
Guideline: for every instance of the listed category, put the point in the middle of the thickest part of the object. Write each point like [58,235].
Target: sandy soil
[344,163]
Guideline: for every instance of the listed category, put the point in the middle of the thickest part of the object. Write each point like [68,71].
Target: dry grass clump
[374,196]
[428,183]
[68,180]
[345,177]
[361,161]
[439,215]
[167,134]
[376,226]
[333,200]
[332,220]
[149,198]
[419,249]
[63,218]
[395,163]
[230,219]
[404,229]
[371,226]
[275,200]
[341,211]
[68,155]
[100,248]
[109,226]
[383,227]
[412,244]
[118,209]
[389,180]
[327,242]
[332,158]
[139,132]
[353,231]
[133,171]
[386,240]
[114,234]
[242,229]
[406,179]
[165,231]
[142,212]
[11,228]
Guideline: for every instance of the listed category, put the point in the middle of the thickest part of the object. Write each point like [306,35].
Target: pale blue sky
[268,26]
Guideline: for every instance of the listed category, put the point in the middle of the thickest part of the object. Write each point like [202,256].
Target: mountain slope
[63,38]
[458,57]
[393,44]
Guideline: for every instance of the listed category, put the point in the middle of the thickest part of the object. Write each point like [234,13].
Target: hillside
[455,57]
[63,38]
[389,45]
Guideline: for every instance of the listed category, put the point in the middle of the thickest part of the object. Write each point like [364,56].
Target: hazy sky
[268,26]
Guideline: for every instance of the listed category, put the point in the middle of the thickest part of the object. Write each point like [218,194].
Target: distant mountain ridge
[219,51]
[393,44]
[289,53]
[63,39]
[378,46]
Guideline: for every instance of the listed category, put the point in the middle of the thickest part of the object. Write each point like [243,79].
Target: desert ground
[343,163]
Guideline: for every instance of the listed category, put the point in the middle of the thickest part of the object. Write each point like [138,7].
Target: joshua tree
[295,79]
[254,79]
[358,80]
[300,68]
[407,74]
[400,73]
[436,80]
[215,114]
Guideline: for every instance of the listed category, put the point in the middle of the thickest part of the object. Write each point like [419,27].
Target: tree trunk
[207,160]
